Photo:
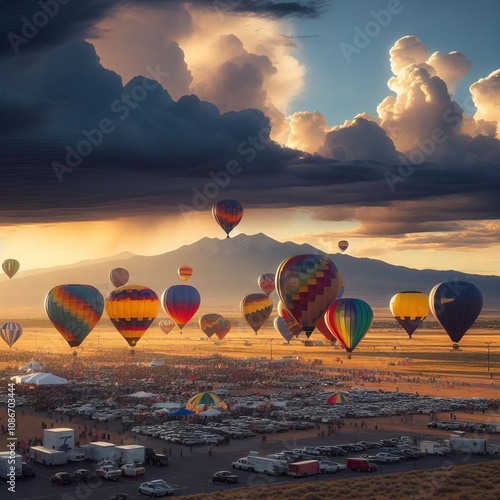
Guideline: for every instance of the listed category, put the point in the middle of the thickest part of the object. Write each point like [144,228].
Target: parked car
[132,470]
[62,478]
[225,476]
[84,475]
[387,457]
[155,489]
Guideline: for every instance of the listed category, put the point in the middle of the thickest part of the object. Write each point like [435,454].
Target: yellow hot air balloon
[256,308]
[410,309]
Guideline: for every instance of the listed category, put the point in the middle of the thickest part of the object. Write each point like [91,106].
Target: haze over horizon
[371,121]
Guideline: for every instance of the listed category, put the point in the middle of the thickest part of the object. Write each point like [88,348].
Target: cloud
[486,95]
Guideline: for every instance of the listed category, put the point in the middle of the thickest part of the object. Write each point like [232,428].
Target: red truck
[304,468]
[361,464]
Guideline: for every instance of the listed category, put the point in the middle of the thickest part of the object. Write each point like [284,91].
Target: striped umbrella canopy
[209,399]
[338,398]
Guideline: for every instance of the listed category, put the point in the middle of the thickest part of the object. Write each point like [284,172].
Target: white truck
[434,448]
[63,439]
[48,456]
[468,445]
[10,464]
[131,453]
[261,464]
[101,450]
[109,472]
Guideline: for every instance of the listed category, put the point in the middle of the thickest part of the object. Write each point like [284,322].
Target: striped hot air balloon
[74,310]
[185,272]
[181,302]
[11,332]
[215,324]
[338,398]
[228,214]
[256,308]
[132,309]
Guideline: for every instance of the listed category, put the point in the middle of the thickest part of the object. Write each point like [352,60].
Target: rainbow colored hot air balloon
[74,310]
[266,283]
[119,276]
[215,323]
[132,309]
[456,305]
[185,272]
[181,302]
[338,398]
[256,308]
[10,267]
[11,332]
[282,329]
[307,285]
[409,309]
[228,214]
[166,325]
[349,320]
[208,399]
[343,245]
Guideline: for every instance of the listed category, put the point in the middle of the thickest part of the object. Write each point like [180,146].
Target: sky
[372,121]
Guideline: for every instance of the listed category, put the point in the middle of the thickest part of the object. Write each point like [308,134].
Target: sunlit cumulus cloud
[420,122]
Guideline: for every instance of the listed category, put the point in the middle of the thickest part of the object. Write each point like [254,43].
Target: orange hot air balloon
[185,272]
[256,308]
[132,309]
[410,309]
[228,214]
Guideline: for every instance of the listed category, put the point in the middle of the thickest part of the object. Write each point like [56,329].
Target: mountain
[226,270]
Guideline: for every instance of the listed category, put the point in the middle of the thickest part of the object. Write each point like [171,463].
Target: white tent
[142,394]
[39,379]
[174,406]
[156,362]
[210,413]
[31,366]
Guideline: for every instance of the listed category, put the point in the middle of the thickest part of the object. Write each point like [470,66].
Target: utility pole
[488,347]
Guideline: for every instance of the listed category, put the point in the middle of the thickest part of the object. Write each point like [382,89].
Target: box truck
[63,439]
[304,468]
[10,464]
[261,464]
[100,450]
[47,456]
[468,445]
[131,453]
[434,448]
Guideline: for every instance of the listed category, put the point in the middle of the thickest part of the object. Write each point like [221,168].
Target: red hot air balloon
[307,285]
[228,214]
[181,303]
[266,283]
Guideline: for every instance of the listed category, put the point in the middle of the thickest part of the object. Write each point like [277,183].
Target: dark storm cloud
[29,25]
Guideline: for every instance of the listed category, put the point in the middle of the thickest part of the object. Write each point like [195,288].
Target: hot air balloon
[181,303]
[456,305]
[215,323]
[323,329]
[10,332]
[185,272]
[349,320]
[256,308]
[132,309]
[338,398]
[10,267]
[343,245]
[307,285]
[228,214]
[74,310]
[341,289]
[166,325]
[410,309]
[119,276]
[290,322]
[282,329]
[266,283]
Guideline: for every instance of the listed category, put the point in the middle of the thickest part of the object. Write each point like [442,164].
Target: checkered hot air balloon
[74,310]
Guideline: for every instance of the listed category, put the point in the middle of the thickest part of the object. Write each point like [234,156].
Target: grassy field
[464,482]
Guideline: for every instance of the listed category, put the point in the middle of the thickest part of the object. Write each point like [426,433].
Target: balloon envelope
[11,332]
[456,305]
[132,309]
[228,214]
[289,320]
[323,329]
[74,310]
[185,272]
[181,303]
[410,309]
[256,308]
[349,320]
[282,329]
[119,276]
[266,282]
[215,323]
[10,267]
[307,285]
[338,398]
[343,245]
[166,325]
